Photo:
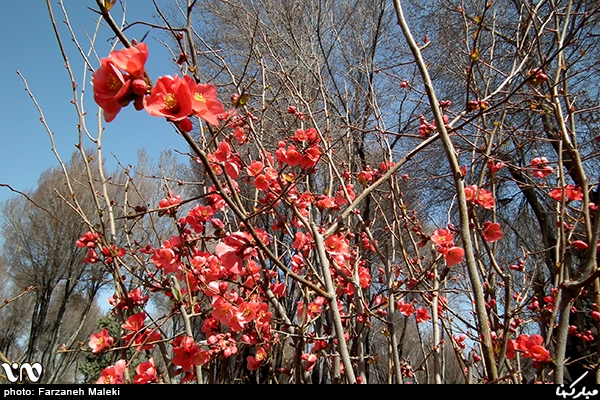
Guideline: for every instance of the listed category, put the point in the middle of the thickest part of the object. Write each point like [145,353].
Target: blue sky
[29,45]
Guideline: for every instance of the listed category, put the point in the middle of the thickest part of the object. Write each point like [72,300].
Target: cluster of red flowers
[492,231]
[570,192]
[230,278]
[531,346]
[480,196]
[444,240]
[540,167]
[121,79]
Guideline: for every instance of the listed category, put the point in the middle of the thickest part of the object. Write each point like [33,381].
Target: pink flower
[255,361]
[111,89]
[442,237]
[100,341]
[132,59]
[145,372]
[453,255]
[540,167]
[170,98]
[187,353]
[112,375]
[205,102]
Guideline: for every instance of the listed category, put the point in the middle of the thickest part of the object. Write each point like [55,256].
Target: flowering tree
[343,207]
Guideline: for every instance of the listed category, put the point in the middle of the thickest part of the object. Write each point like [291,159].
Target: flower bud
[139,87]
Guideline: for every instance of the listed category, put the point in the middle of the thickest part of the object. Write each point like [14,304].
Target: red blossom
[198,216]
[571,193]
[187,353]
[482,197]
[453,255]
[531,347]
[255,361]
[92,257]
[470,192]
[135,322]
[145,372]
[246,312]
[113,374]
[111,89]
[233,249]
[540,167]
[364,276]
[89,239]
[303,242]
[255,168]
[205,102]
[100,341]
[338,248]
[485,199]
[170,98]
[324,202]
[579,244]
[302,135]
[478,105]
[170,203]
[492,231]
[366,176]
[131,60]
[311,157]
[460,340]
[145,339]
[422,315]
[166,257]
[120,80]
[537,76]
[406,309]
[311,361]
[442,237]
[495,167]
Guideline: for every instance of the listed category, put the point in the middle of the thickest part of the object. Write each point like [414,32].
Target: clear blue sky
[28,44]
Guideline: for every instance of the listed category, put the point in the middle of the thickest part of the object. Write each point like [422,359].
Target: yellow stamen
[170,102]
[199,97]
[113,83]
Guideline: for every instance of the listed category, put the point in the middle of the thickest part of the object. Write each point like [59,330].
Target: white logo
[29,370]
[561,392]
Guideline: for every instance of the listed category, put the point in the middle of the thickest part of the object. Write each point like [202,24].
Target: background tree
[38,247]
